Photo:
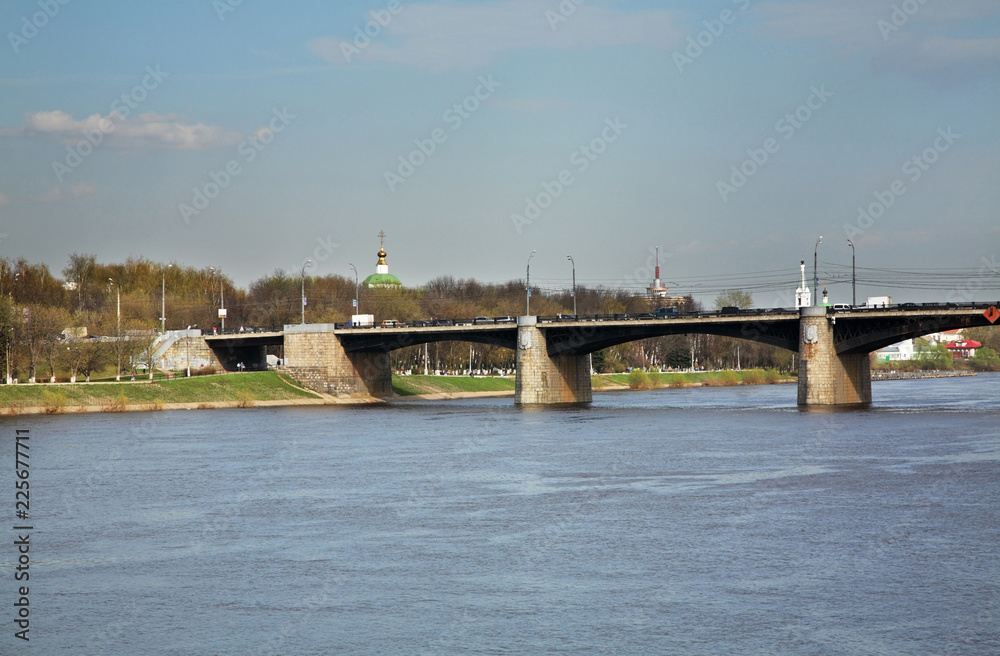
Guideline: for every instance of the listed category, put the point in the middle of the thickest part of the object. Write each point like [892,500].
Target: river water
[701,521]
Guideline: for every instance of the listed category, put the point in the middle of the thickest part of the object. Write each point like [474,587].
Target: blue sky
[452,124]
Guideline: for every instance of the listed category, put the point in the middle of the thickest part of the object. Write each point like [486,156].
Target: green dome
[382,280]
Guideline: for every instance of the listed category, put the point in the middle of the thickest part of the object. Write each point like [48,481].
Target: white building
[803,297]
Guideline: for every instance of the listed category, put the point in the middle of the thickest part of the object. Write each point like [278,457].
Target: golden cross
[381,236]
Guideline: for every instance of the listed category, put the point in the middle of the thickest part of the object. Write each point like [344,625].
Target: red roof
[964,344]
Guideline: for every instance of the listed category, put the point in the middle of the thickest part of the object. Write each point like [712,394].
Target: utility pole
[570,258]
[527,287]
[357,300]
[815,274]
[854,277]
[118,345]
[163,300]
[307,263]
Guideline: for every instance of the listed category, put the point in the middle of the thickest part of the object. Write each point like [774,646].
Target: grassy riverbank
[640,380]
[242,389]
[413,385]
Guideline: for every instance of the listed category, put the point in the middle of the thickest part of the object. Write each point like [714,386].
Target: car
[908,306]
[504,319]
[442,322]
[645,315]
[565,317]
[729,310]
[479,321]
[623,316]
[664,312]
[422,323]
[390,323]
[841,306]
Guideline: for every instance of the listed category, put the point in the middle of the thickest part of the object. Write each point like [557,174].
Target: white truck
[879,301]
[362,320]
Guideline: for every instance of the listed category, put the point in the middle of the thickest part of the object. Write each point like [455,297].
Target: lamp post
[815,274]
[357,299]
[187,347]
[854,277]
[307,263]
[222,298]
[527,287]
[163,300]
[570,258]
[118,346]
[10,329]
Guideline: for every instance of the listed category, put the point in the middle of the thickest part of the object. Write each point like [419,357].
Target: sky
[732,134]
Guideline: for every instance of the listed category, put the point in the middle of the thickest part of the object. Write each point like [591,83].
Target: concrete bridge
[554,355]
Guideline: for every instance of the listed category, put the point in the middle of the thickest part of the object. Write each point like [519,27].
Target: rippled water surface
[702,521]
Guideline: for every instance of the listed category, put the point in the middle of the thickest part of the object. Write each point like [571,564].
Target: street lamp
[222,299]
[307,263]
[854,277]
[163,300]
[357,299]
[527,287]
[187,347]
[10,341]
[815,274]
[570,258]
[118,292]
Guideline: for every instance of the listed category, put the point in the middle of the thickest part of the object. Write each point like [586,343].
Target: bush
[203,371]
[115,404]
[753,377]
[157,404]
[722,379]
[639,380]
[14,407]
[245,399]
[771,376]
[53,402]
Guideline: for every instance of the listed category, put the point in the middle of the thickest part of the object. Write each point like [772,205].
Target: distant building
[901,351]
[657,289]
[382,278]
[965,348]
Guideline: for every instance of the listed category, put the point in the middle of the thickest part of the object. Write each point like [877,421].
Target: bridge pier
[548,380]
[315,357]
[826,378]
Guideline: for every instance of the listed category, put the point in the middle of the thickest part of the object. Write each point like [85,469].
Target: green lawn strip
[410,385]
[262,386]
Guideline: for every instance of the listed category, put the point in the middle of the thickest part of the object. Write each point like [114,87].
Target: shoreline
[361,400]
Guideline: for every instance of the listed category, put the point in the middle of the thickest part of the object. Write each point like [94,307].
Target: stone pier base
[826,378]
[545,380]
[315,357]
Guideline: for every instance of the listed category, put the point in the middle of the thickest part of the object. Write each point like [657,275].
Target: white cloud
[925,42]
[463,36]
[51,196]
[4,199]
[145,130]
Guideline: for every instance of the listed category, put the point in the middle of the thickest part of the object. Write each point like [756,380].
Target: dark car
[729,310]
[479,321]
[908,306]
[443,322]
[664,312]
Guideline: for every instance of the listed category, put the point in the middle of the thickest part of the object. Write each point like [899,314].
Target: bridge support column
[545,380]
[315,357]
[826,378]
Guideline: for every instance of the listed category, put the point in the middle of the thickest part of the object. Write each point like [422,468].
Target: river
[691,521]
